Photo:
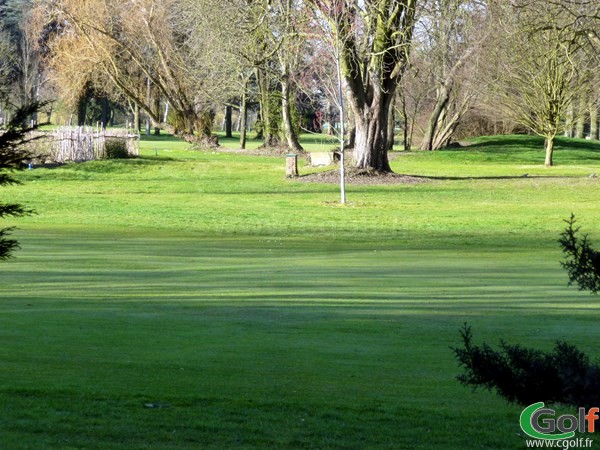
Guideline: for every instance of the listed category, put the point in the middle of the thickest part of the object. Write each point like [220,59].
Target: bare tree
[536,77]
[109,43]
[248,39]
[289,55]
[21,59]
[318,74]
[451,34]
[584,15]
[375,38]
[217,41]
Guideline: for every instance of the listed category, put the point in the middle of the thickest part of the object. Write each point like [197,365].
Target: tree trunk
[371,146]
[157,114]
[243,116]
[244,113]
[82,104]
[105,112]
[136,118]
[569,122]
[329,119]
[444,134]
[270,140]
[49,114]
[391,126]
[406,126]
[441,104]
[148,102]
[228,121]
[238,122]
[440,110]
[549,146]
[36,97]
[286,110]
[580,128]
[204,123]
[351,138]
[594,121]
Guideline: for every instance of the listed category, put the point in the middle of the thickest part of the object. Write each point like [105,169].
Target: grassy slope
[260,313]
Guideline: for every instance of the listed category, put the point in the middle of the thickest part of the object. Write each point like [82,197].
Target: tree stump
[291,167]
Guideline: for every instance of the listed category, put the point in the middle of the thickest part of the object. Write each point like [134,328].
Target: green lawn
[201,300]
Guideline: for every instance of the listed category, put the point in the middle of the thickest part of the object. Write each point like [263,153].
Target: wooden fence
[78,144]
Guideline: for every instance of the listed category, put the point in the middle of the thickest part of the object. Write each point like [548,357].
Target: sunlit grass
[192,299]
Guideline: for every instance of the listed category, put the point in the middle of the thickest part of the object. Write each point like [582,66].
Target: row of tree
[439,68]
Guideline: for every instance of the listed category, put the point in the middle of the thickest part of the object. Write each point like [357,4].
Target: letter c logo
[529,425]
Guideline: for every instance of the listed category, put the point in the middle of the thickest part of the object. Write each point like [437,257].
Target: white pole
[342,120]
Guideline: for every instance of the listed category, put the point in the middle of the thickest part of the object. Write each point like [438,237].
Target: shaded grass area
[514,155]
[528,149]
[260,342]
[201,300]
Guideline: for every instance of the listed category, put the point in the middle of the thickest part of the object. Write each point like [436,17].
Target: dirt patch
[358,177]
[353,176]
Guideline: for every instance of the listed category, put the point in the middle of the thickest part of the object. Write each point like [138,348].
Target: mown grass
[201,300]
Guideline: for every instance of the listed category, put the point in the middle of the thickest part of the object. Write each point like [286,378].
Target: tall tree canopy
[137,49]
[179,61]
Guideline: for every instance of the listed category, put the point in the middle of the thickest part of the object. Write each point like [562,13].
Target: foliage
[12,157]
[116,148]
[523,375]
[582,262]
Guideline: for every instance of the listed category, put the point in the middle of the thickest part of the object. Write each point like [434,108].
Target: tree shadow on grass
[107,166]
[500,177]
[509,143]
[151,160]
[121,165]
[531,143]
[523,149]
[161,138]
